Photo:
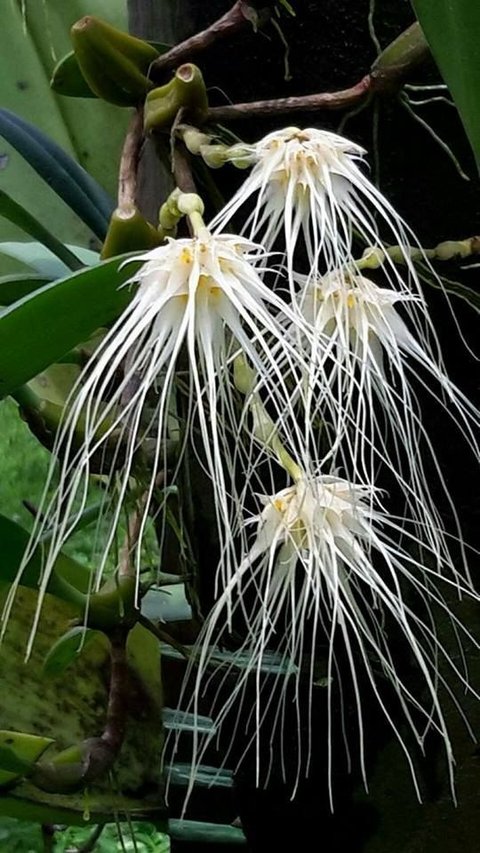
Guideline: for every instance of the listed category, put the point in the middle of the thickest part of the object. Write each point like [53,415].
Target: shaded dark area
[331,48]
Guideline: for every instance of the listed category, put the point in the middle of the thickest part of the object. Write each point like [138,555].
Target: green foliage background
[34,37]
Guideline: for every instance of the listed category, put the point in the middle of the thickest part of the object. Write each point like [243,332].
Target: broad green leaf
[67,78]
[67,649]
[55,384]
[40,259]
[35,34]
[10,209]
[18,751]
[60,171]
[27,803]
[42,327]
[452,29]
[16,286]
[13,543]
[189,831]
[144,657]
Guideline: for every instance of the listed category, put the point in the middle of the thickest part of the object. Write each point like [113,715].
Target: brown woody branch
[231,22]
[386,81]
[302,103]
[129,160]
[102,751]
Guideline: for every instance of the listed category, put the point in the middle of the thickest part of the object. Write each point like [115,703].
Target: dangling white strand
[311,182]
[367,358]
[323,561]
[202,296]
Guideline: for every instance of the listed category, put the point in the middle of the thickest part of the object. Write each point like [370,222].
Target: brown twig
[102,751]
[385,81]
[163,636]
[129,160]
[231,22]
[302,103]
[181,169]
[116,722]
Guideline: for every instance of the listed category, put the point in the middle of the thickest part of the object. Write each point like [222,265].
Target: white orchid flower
[326,566]
[311,183]
[370,354]
[202,299]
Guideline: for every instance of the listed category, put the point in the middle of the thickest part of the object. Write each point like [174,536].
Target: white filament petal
[202,297]
[311,182]
[367,359]
[324,562]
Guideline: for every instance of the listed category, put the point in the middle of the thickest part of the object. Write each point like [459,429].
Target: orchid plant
[280,350]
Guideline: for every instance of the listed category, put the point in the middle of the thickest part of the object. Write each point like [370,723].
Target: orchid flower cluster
[304,380]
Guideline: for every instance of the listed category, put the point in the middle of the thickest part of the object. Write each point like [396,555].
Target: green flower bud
[214,156]
[243,375]
[193,138]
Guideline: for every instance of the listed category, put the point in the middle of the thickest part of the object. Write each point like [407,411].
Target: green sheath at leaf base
[129,231]
[186,91]
[114,64]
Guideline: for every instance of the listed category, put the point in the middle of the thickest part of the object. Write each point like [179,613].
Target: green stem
[448,250]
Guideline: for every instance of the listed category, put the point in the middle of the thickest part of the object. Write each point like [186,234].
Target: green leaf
[70,709]
[452,29]
[67,649]
[115,837]
[67,572]
[144,657]
[17,214]
[40,258]
[18,751]
[35,33]
[67,78]
[16,286]
[42,327]
[60,171]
